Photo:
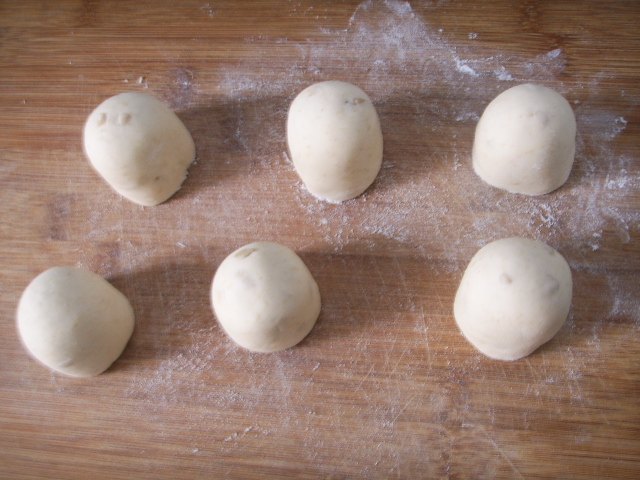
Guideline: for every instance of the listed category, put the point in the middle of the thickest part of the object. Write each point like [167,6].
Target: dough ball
[74,321]
[514,296]
[335,140]
[525,140]
[139,146]
[265,297]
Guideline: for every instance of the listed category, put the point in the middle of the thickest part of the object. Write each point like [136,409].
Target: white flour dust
[387,41]
[431,204]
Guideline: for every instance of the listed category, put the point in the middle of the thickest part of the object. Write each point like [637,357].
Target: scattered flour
[431,207]
[208,10]
[413,196]
[554,53]
[502,74]
[462,67]
[142,81]
[383,42]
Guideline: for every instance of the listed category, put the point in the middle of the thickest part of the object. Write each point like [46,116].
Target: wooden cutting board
[384,386]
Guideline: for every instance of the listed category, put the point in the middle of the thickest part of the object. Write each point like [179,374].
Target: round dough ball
[74,321]
[265,297]
[335,140]
[525,140]
[139,146]
[514,296]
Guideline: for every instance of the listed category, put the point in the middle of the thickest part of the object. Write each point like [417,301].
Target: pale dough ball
[514,296]
[74,321]
[265,297]
[525,140]
[335,140]
[139,146]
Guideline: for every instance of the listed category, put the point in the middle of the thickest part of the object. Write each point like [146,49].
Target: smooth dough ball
[265,297]
[525,140]
[139,146]
[514,296]
[335,140]
[74,321]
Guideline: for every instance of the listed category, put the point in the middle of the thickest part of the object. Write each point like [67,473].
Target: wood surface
[385,386]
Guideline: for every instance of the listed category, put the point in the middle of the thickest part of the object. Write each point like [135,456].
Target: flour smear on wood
[428,204]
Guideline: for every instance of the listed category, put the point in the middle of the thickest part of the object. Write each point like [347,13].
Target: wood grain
[384,386]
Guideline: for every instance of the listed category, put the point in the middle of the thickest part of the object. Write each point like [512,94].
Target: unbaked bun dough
[514,296]
[265,297]
[525,140]
[74,321]
[139,146]
[335,140]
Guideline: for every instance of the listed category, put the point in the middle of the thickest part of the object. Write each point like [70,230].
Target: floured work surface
[385,385]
